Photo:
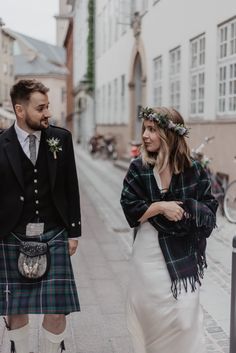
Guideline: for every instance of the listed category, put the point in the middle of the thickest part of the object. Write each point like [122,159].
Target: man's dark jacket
[62,175]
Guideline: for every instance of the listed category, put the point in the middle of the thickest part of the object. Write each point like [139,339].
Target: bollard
[233,301]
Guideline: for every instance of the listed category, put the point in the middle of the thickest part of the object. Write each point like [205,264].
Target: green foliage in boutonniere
[54,146]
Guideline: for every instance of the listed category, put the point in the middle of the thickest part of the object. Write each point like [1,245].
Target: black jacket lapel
[12,148]
[52,162]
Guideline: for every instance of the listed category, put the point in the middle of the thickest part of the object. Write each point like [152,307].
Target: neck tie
[32,148]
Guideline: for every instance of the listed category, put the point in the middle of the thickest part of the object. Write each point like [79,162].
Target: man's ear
[19,109]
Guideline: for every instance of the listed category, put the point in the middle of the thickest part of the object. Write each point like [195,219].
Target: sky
[34,18]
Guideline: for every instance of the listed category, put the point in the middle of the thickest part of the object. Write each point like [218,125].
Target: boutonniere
[54,146]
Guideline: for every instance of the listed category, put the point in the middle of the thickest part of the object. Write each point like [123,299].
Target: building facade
[173,53]
[6,76]
[68,44]
[83,121]
[62,21]
[35,59]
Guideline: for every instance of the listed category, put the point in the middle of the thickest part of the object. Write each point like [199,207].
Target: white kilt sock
[52,342]
[20,337]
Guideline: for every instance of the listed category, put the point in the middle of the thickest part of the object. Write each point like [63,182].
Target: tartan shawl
[182,243]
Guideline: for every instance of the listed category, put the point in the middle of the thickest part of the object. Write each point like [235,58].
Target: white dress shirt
[22,136]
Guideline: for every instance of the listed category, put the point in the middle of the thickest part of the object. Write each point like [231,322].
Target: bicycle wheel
[229,204]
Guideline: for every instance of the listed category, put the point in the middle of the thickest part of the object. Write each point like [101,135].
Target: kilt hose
[55,293]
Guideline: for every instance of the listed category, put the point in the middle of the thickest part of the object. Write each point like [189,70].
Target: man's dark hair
[21,91]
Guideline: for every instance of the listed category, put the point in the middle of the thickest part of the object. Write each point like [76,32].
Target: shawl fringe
[62,346]
[205,220]
[6,323]
[13,348]
[202,264]
[183,283]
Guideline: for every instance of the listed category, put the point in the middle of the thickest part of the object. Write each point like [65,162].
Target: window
[122,93]
[197,76]
[6,92]
[11,70]
[63,94]
[157,82]
[227,69]
[109,105]
[103,108]
[115,91]
[175,59]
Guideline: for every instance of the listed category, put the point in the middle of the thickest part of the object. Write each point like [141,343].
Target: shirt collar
[22,135]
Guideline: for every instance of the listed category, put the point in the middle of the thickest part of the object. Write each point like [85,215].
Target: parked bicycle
[103,146]
[223,191]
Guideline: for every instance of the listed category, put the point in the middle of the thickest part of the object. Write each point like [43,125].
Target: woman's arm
[172,210]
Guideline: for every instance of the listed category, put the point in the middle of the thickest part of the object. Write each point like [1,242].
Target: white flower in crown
[54,146]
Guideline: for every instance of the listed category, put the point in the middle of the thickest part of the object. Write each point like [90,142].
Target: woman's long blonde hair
[174,149]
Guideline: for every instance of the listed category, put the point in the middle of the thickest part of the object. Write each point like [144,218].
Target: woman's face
[151,136]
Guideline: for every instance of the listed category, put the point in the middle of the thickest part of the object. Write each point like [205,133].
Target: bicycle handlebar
[203,144]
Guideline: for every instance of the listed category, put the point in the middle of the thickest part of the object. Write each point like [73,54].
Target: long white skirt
[159,323]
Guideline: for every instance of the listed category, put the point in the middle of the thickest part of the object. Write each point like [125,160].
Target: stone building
[174,53]
[68,44]
[62,21]
[6,76]
[45,62]
[83,117]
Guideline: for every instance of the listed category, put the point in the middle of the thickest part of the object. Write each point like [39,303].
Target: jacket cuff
[74,230]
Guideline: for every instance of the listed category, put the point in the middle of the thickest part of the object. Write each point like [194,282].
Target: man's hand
[72,243]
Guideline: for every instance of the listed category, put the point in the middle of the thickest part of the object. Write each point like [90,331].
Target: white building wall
[84,120]
[166,25]
[175,24]
[113,52]
[6,68]
[80,40]
[62,22]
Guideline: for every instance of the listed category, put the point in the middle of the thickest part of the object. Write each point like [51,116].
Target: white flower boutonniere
[54,146]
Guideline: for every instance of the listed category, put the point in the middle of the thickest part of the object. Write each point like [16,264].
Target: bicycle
[230,201]
[223,191]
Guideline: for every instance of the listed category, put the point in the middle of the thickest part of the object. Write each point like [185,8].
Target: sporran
[34,259]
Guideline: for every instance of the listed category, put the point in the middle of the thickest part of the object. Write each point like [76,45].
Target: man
[39,200]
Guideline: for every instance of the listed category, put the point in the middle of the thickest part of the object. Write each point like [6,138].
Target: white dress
[159,323]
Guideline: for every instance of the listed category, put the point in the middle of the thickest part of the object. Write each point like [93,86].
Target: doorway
[138,94]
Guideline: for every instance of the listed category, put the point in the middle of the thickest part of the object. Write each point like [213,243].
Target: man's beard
[36,126]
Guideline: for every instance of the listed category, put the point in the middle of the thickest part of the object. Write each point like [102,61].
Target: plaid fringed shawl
[182,243]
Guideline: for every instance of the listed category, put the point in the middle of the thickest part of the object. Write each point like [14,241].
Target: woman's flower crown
[163,121]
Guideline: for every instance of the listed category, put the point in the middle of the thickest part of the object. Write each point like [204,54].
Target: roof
[50,52]
[39,66]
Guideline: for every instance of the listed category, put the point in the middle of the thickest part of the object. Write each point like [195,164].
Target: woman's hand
[172,210]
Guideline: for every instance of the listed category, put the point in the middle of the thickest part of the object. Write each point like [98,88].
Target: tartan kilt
[55,293]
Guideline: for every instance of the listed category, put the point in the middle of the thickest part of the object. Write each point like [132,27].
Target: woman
[168,195]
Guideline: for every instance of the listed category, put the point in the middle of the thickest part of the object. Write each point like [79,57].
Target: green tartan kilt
[55,293]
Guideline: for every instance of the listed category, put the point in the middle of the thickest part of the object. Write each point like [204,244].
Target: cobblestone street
[101,270]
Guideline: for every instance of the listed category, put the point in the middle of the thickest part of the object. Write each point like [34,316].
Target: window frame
[197,76]
[226,70]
